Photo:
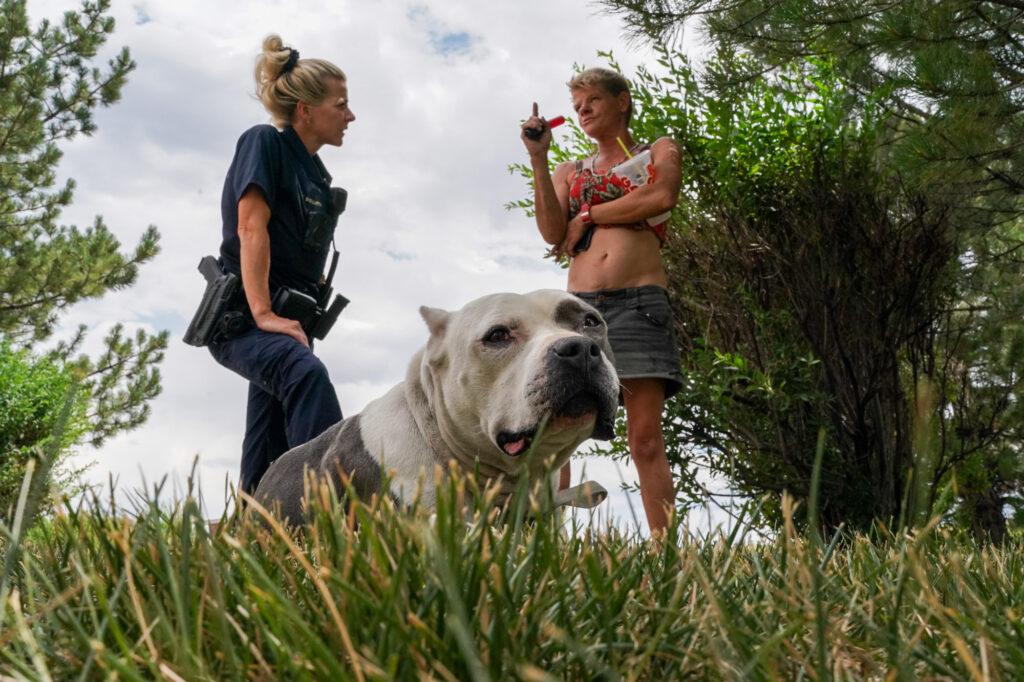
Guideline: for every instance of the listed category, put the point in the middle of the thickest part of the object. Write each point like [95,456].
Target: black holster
[316,321]
[218,317]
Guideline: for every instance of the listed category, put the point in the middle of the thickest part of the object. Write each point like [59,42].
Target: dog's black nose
[576,351]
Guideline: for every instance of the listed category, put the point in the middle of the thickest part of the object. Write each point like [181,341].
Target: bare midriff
[618,258]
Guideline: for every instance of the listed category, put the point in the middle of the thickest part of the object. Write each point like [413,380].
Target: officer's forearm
[255,257]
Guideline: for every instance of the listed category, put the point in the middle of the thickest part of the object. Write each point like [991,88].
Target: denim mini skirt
[640,332]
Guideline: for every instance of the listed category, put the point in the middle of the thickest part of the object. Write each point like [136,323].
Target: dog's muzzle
[575,381]
[580,381]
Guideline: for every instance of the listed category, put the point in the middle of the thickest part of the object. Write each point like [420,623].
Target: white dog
[489,377]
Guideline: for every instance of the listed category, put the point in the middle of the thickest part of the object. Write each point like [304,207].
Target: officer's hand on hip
[275,324]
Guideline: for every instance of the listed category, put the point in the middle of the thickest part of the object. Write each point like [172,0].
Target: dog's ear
[437,323]
[436,319]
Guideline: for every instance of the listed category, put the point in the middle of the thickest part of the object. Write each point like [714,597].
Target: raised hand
[536,122]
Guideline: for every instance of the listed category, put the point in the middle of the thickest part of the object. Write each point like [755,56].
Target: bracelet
[584,215]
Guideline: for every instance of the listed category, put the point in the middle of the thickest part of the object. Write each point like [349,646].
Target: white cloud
[439,90]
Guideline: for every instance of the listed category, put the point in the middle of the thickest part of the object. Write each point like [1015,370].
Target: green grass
[374,593]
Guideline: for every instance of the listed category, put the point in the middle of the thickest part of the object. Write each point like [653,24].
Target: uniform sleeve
[257,162]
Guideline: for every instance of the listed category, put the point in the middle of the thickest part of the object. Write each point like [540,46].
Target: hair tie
[293,59]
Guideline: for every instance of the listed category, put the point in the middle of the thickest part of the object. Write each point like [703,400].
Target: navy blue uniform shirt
[296,186]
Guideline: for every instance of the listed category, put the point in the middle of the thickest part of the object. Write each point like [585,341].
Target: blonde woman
[601,223]
[278,226]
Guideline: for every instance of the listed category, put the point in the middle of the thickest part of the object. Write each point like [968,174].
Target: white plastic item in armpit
[636,170]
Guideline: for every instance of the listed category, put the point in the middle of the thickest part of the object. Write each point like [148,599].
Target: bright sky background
[438,89]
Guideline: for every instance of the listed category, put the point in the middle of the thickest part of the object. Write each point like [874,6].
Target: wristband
[584,215]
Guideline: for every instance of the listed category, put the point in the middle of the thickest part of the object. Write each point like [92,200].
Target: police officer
[278,230]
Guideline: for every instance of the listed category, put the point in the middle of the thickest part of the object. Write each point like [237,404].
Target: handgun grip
[210,268]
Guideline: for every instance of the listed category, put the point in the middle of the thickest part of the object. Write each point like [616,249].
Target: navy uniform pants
[291,398]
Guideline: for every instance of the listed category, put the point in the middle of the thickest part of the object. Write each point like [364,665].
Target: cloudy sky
[438,88]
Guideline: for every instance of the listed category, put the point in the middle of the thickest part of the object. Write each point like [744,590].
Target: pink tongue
[515,447]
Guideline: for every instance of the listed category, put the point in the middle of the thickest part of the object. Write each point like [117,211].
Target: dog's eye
[591,320]
[498,335]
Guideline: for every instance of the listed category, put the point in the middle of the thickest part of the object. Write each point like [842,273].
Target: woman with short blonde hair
[612,231]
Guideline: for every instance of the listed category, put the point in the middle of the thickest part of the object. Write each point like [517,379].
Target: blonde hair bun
[280,89]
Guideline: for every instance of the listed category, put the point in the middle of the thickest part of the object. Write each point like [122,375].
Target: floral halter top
[586,186]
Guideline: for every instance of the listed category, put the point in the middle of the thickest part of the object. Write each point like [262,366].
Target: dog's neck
[422,393]
[421,412]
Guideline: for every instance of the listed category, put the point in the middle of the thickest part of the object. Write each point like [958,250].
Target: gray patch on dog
[569,312]
[339,448]
[348,454]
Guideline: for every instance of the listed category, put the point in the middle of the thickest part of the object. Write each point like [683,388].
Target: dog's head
[511,374]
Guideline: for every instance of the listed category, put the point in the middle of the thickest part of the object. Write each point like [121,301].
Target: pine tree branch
[34,303]
[1014,4]
[99,87]
[15,123]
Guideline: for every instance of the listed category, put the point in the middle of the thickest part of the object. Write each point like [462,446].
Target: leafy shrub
[817,289]
[33,391]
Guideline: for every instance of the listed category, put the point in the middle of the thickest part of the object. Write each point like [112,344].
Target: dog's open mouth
[581,405]
[516,443]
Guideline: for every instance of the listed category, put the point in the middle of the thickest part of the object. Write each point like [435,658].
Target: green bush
[32,393]
[816,288]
